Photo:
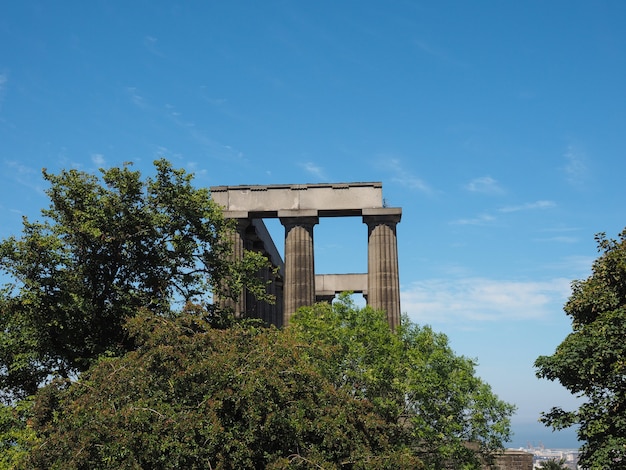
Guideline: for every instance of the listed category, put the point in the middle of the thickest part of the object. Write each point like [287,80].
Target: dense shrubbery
[336,389]
[192,396]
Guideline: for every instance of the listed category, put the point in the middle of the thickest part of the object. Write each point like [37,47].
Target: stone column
[299,288]
[261,309]
[276,288]
[383,280]
[240,243]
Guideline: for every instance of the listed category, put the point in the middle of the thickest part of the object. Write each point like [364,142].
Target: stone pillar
[276,288]
[240,242]
[299,288]
[383,280]
[261,309]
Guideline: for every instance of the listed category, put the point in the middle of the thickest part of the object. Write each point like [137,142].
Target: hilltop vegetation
[112,356]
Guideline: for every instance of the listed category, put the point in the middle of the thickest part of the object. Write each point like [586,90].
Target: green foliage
[107,246]
[194,397]
[591,361]
[16,434]
[554,464]
[411,377]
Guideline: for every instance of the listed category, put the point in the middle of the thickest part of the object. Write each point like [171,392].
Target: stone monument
[299,208]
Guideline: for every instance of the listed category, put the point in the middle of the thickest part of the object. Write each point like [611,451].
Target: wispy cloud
[98,160]
[211,100]
[314,170]
[482,219]
[163,152]
[488,219]
[135,97]
[413,182]
[559,235]
[172,110]
[482,300]
[195,168]
[212,148]
[575,168]
[404,177]
[191,166]
[24,175]
[150,43]
[529,206]
[484,184]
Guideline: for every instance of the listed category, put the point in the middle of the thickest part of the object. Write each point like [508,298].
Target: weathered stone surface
[332,199]
[328,285]
[299,208]
[512,460]
[382,262]
[299,288]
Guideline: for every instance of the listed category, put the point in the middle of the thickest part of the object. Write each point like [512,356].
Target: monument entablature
[299,208]
[329,200]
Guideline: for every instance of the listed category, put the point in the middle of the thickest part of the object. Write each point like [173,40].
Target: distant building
[540,454]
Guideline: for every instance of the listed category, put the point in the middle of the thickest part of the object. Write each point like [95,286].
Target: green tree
[591,361]
[16,433]
[106,247]
[195,397]
[554,464]
[448,416]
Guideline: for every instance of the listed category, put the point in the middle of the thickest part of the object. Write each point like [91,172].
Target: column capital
[304,218]
[242,222]
[382,215]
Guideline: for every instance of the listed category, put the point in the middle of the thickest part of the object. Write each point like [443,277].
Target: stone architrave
[382,255]
[299,287]
[327,286]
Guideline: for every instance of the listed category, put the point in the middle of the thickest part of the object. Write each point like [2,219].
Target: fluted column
[299,288]
[278,307]
[240,243]
[262,309]
[383,281]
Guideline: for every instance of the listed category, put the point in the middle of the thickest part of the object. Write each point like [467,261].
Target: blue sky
[498,127]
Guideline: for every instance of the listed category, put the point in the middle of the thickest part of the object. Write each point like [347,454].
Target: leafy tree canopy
[591,361]
[449,417]
[336,389]
[194,397]
[106,247]
[16,433]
